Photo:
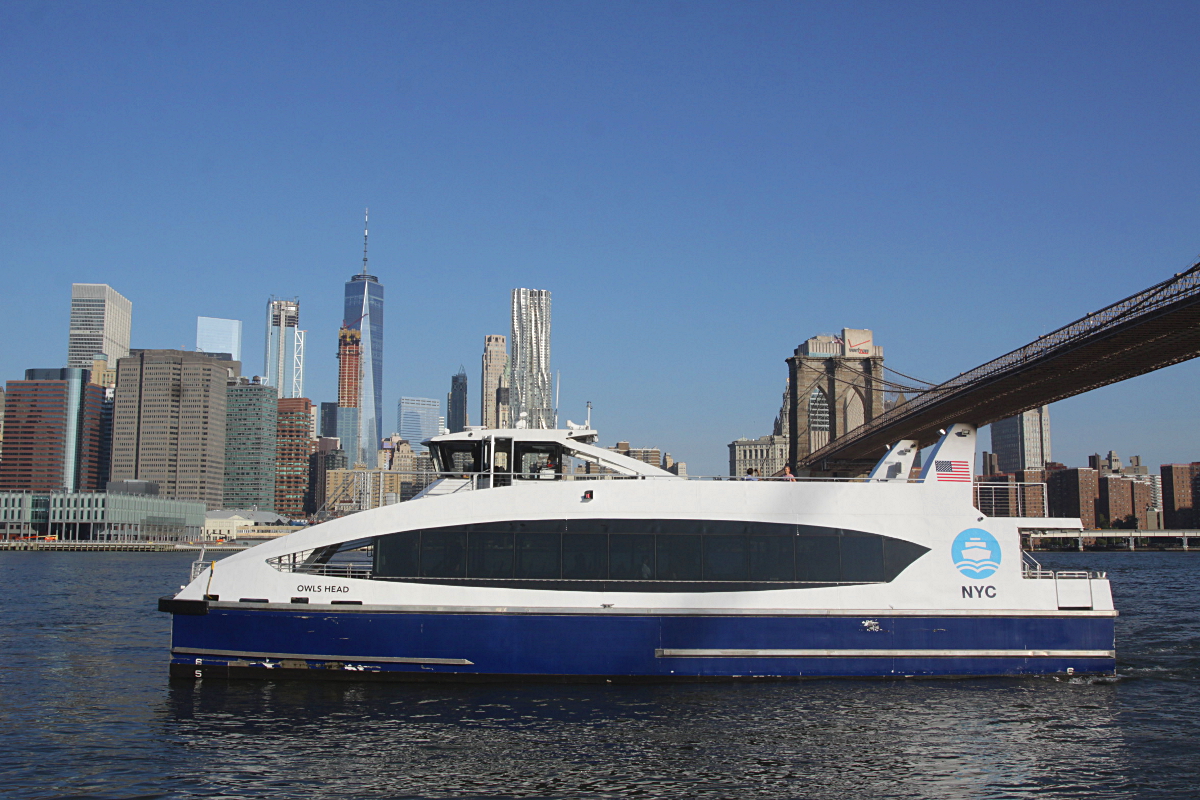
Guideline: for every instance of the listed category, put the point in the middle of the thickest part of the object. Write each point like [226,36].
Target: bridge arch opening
[818,419]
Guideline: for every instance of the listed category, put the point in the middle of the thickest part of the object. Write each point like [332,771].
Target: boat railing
[1032,569]
[997,498]
[362,571]
[302,563]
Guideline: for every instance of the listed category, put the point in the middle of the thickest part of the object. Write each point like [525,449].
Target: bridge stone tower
[835,384]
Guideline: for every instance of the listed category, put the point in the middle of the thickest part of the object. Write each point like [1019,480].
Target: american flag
[955,471]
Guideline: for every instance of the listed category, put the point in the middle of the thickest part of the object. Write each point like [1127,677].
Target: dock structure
[123,547]
[1112,539]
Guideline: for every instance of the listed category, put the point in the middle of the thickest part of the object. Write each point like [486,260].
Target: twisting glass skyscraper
[532,404]
[364,313]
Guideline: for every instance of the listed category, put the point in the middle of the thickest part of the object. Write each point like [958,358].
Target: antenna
[366,227]
[557,389]
[589,416]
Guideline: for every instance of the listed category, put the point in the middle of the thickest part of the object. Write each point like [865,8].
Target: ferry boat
[511,567]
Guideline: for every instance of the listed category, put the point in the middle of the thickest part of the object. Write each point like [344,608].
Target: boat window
[398,554]
[897,555]
[490,555]
[537,460]
[443,554]
[623,555]
[772,558]
[819,556]
[463,457]
[585,556]
[501,457]
[725,558]
[538,555]
[862,558]
[631,556]
[679,557]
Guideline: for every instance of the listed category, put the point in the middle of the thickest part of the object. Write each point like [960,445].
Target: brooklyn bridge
[1152,329]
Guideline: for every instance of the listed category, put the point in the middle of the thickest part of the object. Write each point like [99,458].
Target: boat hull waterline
[263,641]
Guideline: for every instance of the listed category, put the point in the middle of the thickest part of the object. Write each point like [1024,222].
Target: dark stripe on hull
[422,646]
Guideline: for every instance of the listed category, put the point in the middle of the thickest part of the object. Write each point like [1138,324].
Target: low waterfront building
[350,490]
[245,525]
[99,517]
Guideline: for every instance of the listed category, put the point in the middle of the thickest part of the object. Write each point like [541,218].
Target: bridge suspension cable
[1154,328]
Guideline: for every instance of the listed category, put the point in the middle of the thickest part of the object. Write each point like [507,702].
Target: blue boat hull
[322,643]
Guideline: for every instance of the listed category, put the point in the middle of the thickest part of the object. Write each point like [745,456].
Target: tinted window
[862,558]
[585,556]
[458,456]
[631,556]
[397,555]
[679,557]
[538,555]
[443,554]
[490,555]
[898,554]
[711,552]
[726,558]
[771,558]
[818,558]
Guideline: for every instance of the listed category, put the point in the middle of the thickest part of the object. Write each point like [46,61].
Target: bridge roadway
[1152,329]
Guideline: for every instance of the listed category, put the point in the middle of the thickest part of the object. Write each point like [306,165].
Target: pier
[1131,540]
[123,547]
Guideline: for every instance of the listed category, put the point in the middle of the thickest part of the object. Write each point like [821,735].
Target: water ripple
[86,711]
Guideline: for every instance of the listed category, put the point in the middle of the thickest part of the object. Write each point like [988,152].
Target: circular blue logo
[976,553]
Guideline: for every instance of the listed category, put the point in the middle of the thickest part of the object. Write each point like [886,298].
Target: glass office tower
[364,312]
[284,367]
[418,419]
[215,335]
[100,323]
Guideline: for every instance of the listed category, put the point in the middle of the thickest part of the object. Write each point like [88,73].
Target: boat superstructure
[511,566]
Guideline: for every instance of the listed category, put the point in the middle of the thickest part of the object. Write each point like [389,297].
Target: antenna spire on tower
[366,228]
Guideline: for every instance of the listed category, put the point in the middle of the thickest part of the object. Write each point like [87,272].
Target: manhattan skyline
[701,187]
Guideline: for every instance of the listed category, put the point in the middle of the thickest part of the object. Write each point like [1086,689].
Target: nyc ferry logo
[976,553]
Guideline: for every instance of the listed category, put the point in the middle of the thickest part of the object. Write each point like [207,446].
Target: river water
[87,711]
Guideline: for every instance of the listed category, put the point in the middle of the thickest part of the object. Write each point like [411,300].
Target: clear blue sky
[701,185]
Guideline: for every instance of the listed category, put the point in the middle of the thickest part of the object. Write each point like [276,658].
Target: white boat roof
[576,442]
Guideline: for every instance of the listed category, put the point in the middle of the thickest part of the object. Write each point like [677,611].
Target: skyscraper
[285,347]
[456,402]
[251,444]
[419,418]
[296,442]
[215,335]
[100,323]
[350,372]
[531,400]
[1022,442]
[493,392]
[169,423]
[327,424]
[53,432]
[364,314]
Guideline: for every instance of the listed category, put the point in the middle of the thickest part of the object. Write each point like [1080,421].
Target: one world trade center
[364,315]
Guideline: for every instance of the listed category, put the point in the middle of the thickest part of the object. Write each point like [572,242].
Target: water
[86,710]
